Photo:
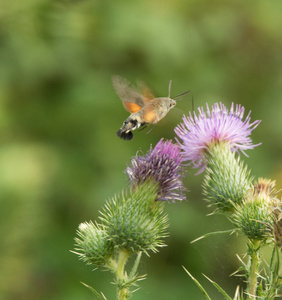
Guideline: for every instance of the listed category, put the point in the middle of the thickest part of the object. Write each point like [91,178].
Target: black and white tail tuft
[125,135]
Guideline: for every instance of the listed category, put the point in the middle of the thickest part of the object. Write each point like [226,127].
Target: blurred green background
[60,158]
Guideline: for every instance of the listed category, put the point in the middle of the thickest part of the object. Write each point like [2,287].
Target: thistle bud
[135,221]
[254,216]
[93,245]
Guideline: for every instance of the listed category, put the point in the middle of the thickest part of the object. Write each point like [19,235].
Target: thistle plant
[133,222]
[212,141]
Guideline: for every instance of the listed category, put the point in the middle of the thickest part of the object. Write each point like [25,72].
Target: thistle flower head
[254,215]
[218,125]
[263,190]
[161,165]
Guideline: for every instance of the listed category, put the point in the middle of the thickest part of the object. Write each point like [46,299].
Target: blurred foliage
[60,158]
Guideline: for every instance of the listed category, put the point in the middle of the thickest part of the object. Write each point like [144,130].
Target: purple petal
[162,164]
[218,125]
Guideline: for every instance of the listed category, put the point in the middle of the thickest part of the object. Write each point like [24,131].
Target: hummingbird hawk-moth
[143,106]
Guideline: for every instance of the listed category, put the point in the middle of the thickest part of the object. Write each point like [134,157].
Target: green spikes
[93,244]
[226,179]
[135,221]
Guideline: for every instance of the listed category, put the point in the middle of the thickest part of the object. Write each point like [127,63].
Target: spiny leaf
[219,288]
[97,294]
[198,284]
[237,294]
[213,233]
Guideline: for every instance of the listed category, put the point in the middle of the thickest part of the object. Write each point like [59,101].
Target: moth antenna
[169,88]
[181,95]
[193,108]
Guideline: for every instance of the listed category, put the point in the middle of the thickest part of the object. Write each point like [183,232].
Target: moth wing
[145,91]
[131,107]
[132,100]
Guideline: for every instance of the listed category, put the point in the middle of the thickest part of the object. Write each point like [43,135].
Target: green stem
[122,291]
[253,270]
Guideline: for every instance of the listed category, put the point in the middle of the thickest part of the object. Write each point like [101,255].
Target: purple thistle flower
[163,165]
[219,125]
